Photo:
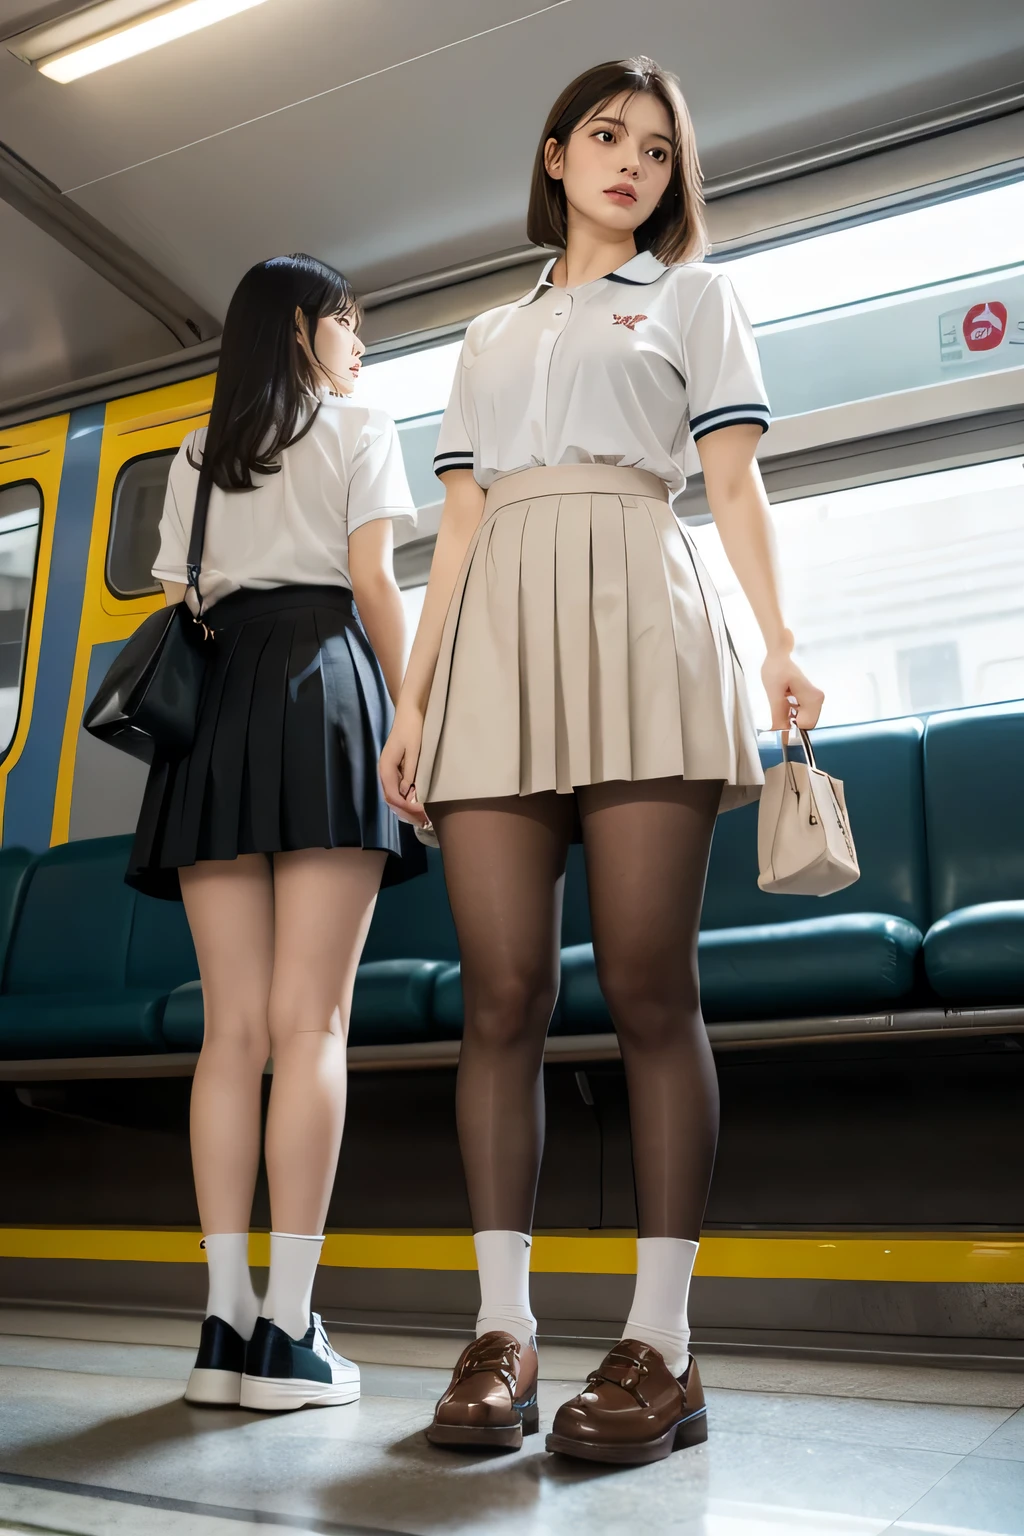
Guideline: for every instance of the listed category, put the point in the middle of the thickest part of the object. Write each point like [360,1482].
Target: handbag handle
[197,536]
[805,742]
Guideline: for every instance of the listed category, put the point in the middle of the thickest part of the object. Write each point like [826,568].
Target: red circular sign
[985,325]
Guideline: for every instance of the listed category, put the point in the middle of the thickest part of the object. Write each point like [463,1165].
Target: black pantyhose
[646,847]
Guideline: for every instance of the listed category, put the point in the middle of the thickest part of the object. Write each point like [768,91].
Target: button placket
[561,315]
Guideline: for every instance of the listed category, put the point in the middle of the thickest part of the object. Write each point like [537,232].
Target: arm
[174,592]
[370,561]
[740,508]
[463,506]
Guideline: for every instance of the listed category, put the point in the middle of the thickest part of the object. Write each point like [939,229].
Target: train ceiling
[394,138]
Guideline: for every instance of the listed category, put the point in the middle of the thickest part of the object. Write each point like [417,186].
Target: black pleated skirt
[292,720]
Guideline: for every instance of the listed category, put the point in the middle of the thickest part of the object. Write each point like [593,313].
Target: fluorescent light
[138,36]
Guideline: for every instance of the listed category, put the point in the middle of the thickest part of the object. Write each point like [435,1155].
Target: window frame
[115,592]
[10,485]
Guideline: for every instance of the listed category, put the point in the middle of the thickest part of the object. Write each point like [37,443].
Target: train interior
[858,1305]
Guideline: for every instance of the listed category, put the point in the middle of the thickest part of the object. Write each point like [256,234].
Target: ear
[554,159]
[301,328]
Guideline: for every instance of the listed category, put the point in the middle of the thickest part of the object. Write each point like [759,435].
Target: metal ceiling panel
[429,163]
[243,67]
[58,319]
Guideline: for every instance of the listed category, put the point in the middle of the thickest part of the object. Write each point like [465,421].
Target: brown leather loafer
[632,1410]
[492,1401]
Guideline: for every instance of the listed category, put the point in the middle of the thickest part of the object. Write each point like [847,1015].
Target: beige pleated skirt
[584,642]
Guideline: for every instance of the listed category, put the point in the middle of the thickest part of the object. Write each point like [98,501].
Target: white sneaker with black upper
[283,1373]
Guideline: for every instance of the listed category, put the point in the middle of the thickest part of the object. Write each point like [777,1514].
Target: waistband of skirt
[258,602]
[573,480]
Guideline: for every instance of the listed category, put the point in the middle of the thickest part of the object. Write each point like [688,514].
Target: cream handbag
[804,843]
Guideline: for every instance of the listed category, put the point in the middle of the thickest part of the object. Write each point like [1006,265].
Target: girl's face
[337,351]
[617,164]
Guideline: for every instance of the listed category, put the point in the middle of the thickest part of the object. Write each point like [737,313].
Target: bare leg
[230,907]
[324,900]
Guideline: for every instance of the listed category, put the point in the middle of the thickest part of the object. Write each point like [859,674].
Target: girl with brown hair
[573,676]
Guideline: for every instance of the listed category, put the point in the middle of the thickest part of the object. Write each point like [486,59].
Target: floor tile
[918,1426]
[980,1496]
[1007,1443]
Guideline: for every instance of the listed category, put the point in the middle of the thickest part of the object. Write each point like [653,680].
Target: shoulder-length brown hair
[676,230]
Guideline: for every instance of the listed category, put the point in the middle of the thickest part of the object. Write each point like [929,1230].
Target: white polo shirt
[294,527]
[626,370]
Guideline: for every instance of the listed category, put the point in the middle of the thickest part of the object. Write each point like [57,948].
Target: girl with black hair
[273,829]
[572,676]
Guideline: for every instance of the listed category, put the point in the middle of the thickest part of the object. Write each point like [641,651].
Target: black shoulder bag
[149,700]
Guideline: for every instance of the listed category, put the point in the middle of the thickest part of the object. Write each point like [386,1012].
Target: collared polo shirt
[344,471]
[626,370]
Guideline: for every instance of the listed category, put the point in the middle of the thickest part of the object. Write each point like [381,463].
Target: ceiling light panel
[96,36]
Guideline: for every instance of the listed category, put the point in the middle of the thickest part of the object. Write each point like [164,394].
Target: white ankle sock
[503,1259]
[293,1262]
[231,1296]
[658,1317]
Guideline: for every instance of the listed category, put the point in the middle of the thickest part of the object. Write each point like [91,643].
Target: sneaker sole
[281,1394]
[691,1431]
[213,1389]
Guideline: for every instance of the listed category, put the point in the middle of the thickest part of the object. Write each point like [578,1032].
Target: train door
[31,465]
[99,790]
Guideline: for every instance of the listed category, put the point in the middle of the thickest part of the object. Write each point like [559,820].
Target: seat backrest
[413,921]
[881,768]
[160,949]
[76,920]
[973,777]
[15,873]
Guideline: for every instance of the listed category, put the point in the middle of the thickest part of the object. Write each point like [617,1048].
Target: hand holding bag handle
[804,842]
[148,702]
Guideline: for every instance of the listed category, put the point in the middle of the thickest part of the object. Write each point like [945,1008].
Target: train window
[134,523]
[905,596]
[893,303]
[20,509]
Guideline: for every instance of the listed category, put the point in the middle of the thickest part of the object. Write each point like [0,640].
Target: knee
[237,1025]
[650,1004]
[503,1008]
[294,1011]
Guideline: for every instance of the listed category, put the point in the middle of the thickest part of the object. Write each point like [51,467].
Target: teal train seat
[91,968]
[90,962]
[973,774]
[768,956]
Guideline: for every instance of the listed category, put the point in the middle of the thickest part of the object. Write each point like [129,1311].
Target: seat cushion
[976,955]
[95,1023]
[182,1024]
[845,964]
[972,782]
[447,1004]
[392,1005]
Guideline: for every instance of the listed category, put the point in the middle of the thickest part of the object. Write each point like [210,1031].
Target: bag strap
[194,562]
[805,742]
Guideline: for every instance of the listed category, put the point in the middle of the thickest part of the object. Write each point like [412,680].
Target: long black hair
[265,395]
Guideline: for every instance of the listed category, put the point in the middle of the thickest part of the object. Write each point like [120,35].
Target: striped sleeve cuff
[462,458]
[755,415]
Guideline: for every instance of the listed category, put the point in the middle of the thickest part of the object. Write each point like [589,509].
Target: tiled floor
[94,1439]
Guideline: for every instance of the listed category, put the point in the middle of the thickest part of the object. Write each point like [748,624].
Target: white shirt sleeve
[722,369]
[455,447]
[377,485]
[176,519]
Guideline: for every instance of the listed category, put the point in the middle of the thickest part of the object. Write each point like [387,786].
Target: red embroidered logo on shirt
[631,320]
